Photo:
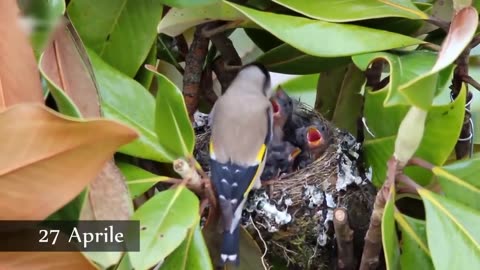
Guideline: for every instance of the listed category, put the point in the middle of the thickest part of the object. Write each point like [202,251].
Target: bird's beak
[294,153]
[275,107]
[314,137]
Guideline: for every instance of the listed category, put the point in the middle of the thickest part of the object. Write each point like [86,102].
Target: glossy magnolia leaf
[346,11]
[462,29]
[459,181]
[60,145]
[43,15]
[325,39]
[348,105]
[126,100]
[302,88]
[144,77]
[164,222]
[409,73]
[191,254]
[19,77]
[172,124]
[176,21]
[453,232]
[288,60]
[138,179]
[328,86]
[415,253]
[389,234]
[263,39]
[188,3]
[119,24]
[437,142]
[44,261]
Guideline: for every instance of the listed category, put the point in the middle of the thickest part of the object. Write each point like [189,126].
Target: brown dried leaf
[19,77]
[47,158]
[462,29]
[44,261]
[66,63]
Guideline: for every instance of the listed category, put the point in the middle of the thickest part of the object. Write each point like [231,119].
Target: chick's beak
[294,153]
[314,137]
[275,107]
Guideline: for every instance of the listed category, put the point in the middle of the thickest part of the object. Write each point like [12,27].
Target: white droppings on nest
[322,238]
[330,201]
[313,195]
[329,216]
[288,202]
[200,119]
[272,216]
[347,170]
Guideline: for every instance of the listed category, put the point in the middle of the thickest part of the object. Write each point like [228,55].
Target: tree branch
[373,238]
[193,70]
[344,236]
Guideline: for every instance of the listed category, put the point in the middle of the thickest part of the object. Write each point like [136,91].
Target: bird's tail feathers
[230,247]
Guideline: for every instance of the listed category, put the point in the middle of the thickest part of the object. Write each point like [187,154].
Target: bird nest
[293,213]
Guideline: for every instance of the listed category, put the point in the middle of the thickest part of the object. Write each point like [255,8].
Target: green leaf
[349,103]
[121,32]
[188,3]
[328,86]
[263,39]
[459,181]
[143,76]
[453,232]
[44,15]
[437,142]
[191,254]
[302,88]
[176,21]
[126,100]
[164,222]
[172,123]
[138,179]
[415,253]
[389,233]
[409,73]
[346,11]
[326,39]
[288,60]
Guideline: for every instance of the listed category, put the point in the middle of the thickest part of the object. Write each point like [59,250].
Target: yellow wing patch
[211,151]
[260,157]
[261,153]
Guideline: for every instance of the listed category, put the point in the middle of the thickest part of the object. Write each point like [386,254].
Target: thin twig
[444,25]
[220,29]
[468,79]
[264,244]
[421,163]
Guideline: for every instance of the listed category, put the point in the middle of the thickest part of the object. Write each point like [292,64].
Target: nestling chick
[241,122]
[314,140]
[280,159]
[282,106]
